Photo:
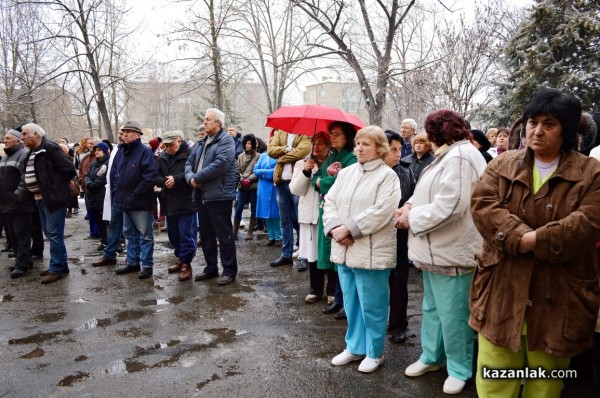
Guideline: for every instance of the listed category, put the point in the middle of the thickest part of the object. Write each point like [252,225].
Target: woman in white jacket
[358,216]
[308,218]
[442,242]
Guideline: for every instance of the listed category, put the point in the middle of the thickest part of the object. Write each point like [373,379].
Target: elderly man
[16,214]
[179,206]
[132,176]
[47,174]
[408,129]
[211,170]
[237,139]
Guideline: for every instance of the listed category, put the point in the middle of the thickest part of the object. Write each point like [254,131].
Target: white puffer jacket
[363,198]
[308,205]
[442,231]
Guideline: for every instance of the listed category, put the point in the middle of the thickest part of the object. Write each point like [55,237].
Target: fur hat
[133,126]
[480,137]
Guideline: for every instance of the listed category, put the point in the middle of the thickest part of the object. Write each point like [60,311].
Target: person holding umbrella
[342,145]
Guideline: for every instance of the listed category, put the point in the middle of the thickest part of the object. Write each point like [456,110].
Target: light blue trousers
[366,301]
[445,332]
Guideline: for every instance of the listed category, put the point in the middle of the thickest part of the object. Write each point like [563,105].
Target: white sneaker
[452,385]
[345,357]
[369,364]
[419,368]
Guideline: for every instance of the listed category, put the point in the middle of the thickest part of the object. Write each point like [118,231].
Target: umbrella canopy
[309,119]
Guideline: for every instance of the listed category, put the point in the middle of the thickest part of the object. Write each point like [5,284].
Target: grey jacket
[219,175]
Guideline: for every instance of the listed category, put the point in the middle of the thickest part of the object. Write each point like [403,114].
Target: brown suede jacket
[301,147]
[554,288]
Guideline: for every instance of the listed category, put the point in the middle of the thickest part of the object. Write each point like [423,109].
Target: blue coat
[266,202]
[132,176]
[219,175]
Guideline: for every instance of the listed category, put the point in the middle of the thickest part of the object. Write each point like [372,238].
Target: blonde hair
[491,131]
[378,136]
[421,138]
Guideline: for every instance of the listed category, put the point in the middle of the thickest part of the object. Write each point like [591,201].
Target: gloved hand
[246,183]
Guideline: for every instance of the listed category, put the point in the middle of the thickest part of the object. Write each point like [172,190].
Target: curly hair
[445,127]
[252,139]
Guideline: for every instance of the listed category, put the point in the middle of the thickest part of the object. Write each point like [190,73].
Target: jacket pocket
[581,308]
[481,286]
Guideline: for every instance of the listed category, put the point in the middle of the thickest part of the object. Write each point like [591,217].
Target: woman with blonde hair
[358,217]
[422,156]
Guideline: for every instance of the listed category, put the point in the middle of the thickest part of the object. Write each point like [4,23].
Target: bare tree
[367,47]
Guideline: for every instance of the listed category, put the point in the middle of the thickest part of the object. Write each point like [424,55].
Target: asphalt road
[97,334]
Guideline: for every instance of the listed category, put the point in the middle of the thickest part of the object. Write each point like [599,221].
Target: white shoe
[330,300]
[419,368]
[311,298]
[345,357]
[296,254]
[452,385]
[369,364]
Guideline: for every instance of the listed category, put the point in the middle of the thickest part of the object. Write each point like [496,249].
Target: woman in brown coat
[534,296]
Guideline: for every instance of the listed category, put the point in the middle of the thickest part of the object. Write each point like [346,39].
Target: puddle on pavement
[222,333]
[132,315]
[95,323]
[69,380]
[39,338]
[214,377]
[52,317]
[38,352]
[98,289]
[81,358]
[6,297]
[224,302]
[162,301]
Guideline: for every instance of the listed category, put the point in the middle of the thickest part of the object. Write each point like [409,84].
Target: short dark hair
[393,136]
[251,138]
[444,126]
[349,133]
[566,108]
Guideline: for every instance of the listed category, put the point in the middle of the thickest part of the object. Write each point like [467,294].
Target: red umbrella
[309,119]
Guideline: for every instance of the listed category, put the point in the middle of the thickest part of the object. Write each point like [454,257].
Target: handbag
[74,188]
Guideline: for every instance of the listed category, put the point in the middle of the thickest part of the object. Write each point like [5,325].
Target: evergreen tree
[556,46]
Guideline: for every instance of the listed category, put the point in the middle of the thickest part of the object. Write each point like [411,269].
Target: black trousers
[37,234]
[317,280]
[398,283]
[215,224]
[18,228]
[102,225]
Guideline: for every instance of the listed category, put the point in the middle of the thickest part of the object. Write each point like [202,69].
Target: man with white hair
[211,169]
[47,175]
[16,214]
[408,130]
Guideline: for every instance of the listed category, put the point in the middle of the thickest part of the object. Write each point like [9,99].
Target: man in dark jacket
[237,140]
[16,214]
[133,175]
[211,170]
[47,175]
[179,205]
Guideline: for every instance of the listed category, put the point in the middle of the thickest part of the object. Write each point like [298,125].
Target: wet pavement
[96,334]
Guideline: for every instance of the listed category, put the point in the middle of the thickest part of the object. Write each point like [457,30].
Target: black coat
[95,182]
[178,200]
[407,187]
[417,165]
[53,171]
[12,167]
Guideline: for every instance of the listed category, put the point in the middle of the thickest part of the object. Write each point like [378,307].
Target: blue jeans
[182,235]
[114,231]
[243,197]
[93,224]
[53,225]
[288,211]
[137,228]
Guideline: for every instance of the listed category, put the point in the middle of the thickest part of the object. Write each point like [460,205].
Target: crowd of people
[505,240]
